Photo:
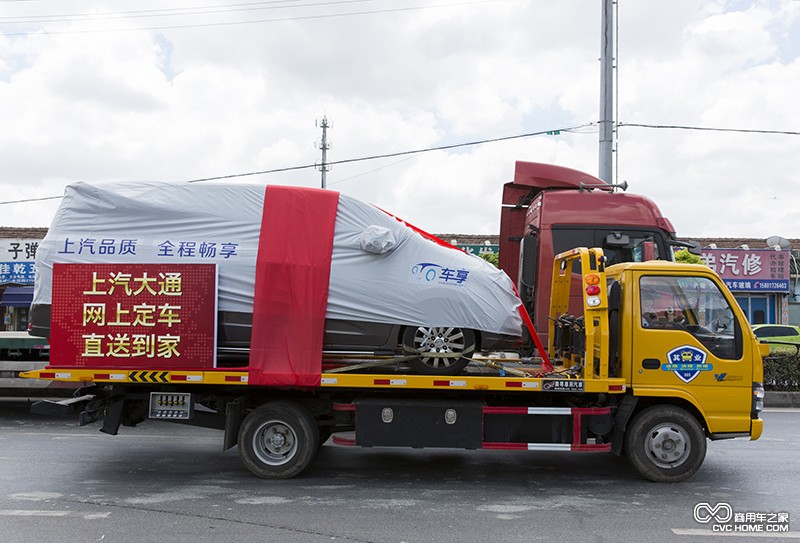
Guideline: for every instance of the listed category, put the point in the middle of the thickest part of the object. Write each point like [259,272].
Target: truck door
[688,342]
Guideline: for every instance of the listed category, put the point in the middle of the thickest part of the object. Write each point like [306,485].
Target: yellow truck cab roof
[658,266]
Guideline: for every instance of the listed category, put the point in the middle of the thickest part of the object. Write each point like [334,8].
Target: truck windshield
[692,304]
[566,238]
[640,249]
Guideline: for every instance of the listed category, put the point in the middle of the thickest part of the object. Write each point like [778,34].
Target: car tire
[446,342]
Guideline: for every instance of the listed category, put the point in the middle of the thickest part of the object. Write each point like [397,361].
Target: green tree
[491,258]
[687,258]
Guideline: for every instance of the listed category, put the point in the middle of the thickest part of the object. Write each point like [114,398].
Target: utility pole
[607,92]
[324,145]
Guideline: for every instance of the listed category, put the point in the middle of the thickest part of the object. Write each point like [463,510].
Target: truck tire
[665,444]
[443,340]
[278,440]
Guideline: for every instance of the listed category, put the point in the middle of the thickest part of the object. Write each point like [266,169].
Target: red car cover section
[293,270]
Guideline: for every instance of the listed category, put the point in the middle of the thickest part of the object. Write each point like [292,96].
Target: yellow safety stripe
[336,380]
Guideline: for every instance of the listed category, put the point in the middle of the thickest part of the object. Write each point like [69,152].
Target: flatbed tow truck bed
[477,376]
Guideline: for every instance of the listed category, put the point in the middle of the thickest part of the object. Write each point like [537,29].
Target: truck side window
[695,305]
[658,304]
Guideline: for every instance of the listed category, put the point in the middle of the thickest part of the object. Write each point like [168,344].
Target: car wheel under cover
[442,350]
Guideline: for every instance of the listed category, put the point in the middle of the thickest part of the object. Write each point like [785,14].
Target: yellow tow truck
[661,360]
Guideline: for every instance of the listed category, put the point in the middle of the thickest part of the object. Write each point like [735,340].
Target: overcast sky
[104,90]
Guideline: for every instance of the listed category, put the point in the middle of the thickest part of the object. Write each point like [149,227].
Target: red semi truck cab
[550,209]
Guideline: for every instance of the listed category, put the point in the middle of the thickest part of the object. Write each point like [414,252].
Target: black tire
[439,340]
[665,444]
[278,440]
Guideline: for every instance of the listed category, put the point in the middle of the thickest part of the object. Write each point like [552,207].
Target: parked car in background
[779,335]
[777,332]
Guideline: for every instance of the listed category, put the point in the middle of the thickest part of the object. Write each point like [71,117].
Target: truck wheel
[665,444]
[278,440]
[433,341]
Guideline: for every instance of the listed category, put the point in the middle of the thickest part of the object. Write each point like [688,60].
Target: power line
[255,21]
[349,160]
[573,129]
[392,155]
[169,12]
[25,201]
[712,129]
[362,174]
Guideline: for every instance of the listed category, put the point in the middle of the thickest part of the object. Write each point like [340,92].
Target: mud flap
[621,419]
[233,421]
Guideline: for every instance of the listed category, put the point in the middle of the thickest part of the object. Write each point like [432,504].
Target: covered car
[391,288]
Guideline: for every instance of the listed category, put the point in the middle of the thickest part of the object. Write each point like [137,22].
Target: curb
[774,398]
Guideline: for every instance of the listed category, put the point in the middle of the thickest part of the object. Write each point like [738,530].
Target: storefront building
[759,279]
[18,248]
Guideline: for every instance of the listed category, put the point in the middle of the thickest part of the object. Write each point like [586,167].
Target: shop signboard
[18,261]
[479,249]
[750,270]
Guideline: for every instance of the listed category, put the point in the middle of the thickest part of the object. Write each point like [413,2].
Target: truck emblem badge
[686,362]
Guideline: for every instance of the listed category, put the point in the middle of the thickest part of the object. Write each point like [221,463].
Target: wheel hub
[439,348]
[668,446]
[275,443]
[278,441]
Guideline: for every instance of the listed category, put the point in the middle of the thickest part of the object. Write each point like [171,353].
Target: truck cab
[549,209]
[683,335]
[692,367]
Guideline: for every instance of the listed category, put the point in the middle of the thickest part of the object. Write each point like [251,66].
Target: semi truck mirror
[693,247]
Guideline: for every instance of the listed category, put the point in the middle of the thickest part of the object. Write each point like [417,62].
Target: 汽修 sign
[745,270]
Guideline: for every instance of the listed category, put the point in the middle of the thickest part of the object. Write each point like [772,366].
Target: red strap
[547,366]
[423,233]
[293,270]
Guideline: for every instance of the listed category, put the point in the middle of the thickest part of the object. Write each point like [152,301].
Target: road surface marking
[39,513]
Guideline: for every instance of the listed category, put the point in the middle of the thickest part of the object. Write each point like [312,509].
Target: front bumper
[756,428]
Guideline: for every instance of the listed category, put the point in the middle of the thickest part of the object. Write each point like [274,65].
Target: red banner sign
[134,315]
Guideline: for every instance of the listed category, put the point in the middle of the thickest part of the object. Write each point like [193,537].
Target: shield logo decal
[686,362]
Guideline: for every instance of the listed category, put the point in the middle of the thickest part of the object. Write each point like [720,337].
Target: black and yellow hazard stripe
[149,376]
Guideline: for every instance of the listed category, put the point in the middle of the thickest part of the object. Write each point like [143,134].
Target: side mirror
[693,247]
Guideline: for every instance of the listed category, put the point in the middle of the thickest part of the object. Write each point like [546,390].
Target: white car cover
[381,269]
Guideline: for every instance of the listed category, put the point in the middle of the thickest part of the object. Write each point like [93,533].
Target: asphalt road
[167,483]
